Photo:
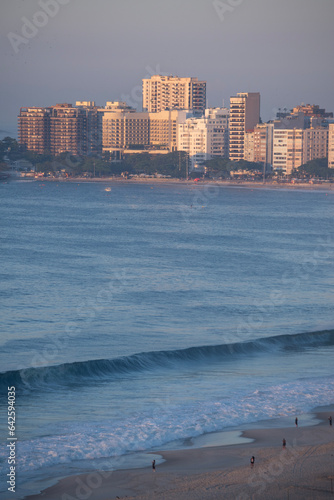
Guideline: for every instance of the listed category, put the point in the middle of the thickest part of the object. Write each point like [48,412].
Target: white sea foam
[144,431]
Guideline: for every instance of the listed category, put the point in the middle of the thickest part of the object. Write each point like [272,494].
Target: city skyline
[64,50]
[284,144]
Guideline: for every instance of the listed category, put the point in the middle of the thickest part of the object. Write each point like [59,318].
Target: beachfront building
[126,130]
[249,145]
[259,144]
[244,115]
[123,127]
[163,129]
[206,137]
[67,125]
[172,92]
[315,143]
[62,128]
[34,129]
[217,120]
[300,137]
[193,139]
[263,144]
[294,147]
[91,140]
[331,145]
[287,150]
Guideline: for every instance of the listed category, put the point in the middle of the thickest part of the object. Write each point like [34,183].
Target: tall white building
[172,92]
[331,145]
[205,138]
[287,150]
[244,115]
[294,147]
[217,124]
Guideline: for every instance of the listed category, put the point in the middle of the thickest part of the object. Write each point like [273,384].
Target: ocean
[145,316]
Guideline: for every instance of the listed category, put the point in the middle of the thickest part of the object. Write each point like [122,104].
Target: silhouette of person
[153,465]
[296,422]
[252,461]
[284,443]
[330,420]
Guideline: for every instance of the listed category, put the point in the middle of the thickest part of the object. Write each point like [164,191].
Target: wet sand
[303,470]
[202,182]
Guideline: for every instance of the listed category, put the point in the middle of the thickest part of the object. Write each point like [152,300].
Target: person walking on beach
[153,465]
[330,420]
[296,422]
[252,461]
[284,443]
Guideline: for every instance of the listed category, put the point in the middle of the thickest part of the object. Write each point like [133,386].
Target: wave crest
[85,372]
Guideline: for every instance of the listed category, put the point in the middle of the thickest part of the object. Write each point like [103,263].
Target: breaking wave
[84,372]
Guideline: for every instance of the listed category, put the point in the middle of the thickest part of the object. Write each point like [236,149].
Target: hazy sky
[101,49]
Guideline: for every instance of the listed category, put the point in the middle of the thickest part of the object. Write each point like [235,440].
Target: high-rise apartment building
[287,150]
[123,127]
[217,120]
[163,128]
[315,143]
[249,145]
[205,138]
[193,138]
[34,129]
[62,128]
[171,92]
[258,145]
[91,140]
[244,115]
[294,147]
[66,129]
[331,145]
[263,143]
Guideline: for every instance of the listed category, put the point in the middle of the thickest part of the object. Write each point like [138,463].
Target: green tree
[223,166]
[315,168]
[173,164]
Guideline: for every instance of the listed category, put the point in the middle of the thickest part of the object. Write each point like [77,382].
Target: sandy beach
[327,186]
[304,469]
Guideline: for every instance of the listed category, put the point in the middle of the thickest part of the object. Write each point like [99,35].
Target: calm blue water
[149,314]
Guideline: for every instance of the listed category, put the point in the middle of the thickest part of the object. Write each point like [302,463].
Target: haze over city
[101,51]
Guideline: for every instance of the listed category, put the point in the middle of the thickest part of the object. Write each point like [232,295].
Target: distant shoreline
[229,183]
